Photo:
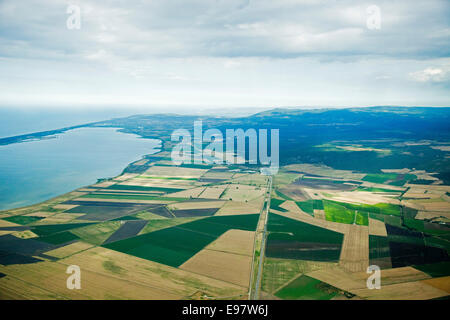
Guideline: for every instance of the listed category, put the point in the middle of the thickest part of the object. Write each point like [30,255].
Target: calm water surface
[31,172]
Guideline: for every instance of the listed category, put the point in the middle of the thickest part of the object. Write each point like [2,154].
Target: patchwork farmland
[217,232]
[168,232]
[325,227]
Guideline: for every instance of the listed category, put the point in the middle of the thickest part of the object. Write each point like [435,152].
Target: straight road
[256,291]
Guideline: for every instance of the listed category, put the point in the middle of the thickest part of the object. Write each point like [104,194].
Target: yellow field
[237,207]
[399,171]
[212,174]
[69,249]
[234,241]
[196,205]
[65,206]
[254,179]
[355,249]
[52,277]
[17,289]
[158,171]
[432,214]
[339,278]
[377,228]
[4,223]
[442,206]
[319,214]
[212,192]
[164,183]
[396,275]
[27,234]
[393,286]
[324,171]
[228,267]
[125,176]
[360,197]
[188,193]
[417,290]
[442,283]
[59,218]
[421,193]
[161,278]
[104,184]
[291,206]
[241,192]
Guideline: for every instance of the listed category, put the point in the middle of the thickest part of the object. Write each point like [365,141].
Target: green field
[45,230]
[125,218]
[275,204]
[175,245]
[309,205]
[381,208]
[282,195]
[441,269]
[291,239]
[379,177]
[23,220]
[97,233]
[158,224]
[384,177]
[59,238]
[378,247]
[338,213]
[303,232]
[406,178]
[307,288]
[362,218]
[426,227]
[371,189]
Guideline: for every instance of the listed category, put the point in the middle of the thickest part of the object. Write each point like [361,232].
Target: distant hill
[361,139]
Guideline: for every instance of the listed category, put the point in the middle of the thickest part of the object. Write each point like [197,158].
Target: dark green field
[23,220]
[291,239]
[307,288]
[275,204]
[309,205]
[380,177]
[59,238]
[46,230]
[175,245]
[130,197]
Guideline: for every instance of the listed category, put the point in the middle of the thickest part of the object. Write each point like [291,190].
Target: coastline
[69,165]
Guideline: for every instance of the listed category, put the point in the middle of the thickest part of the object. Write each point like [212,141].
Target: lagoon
[35,171]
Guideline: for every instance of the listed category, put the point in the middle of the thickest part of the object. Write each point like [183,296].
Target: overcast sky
[224,53]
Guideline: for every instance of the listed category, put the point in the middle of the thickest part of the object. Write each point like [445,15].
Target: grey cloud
[226,28]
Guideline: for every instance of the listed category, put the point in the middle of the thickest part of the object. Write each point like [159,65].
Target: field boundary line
[127,280]
[36,286]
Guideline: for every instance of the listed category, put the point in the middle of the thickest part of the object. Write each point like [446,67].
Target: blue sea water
[35,171]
